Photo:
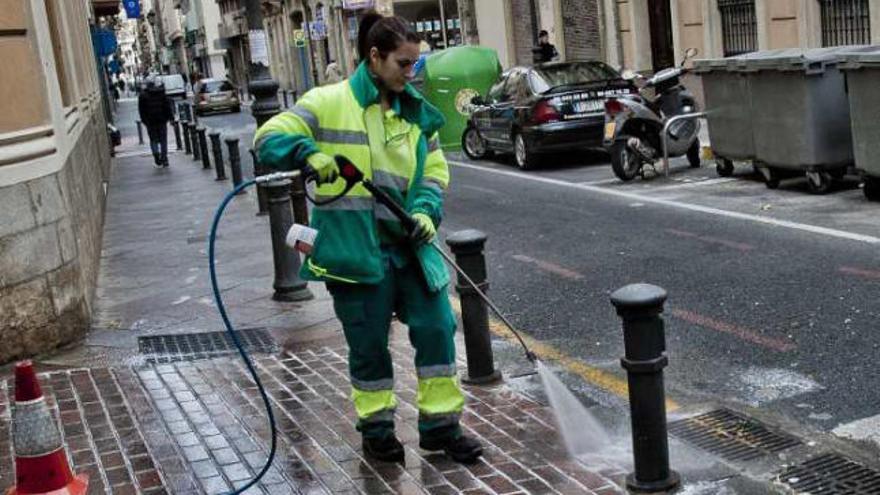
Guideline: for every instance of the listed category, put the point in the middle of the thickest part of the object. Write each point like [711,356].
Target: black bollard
[288,286]
[467,245]
[140,132]
[203,147]
[262,203]
[234,162]
[176,125]
[217,148]
[298,199]
[640,305]
[284,94]
[194,136]
[187,147]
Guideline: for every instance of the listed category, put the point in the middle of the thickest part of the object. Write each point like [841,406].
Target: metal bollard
[176,125]
[467,246]
[286,104]
[203,147]
[262,202]
[640,305]
[217,149]
[187,147]
[234,162]
[298,199]
[140,132]
[194,136]
[288,286]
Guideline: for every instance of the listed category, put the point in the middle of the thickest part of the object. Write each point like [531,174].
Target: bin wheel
[724,167]
[474,145]
[693,154]
[872,189]
[819,182]
[771,177]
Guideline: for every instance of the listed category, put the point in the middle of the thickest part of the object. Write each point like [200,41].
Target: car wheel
[474,145]
[525,158]
[624,162]
[693,154]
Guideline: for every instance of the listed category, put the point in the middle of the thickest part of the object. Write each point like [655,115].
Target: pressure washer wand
[351,174]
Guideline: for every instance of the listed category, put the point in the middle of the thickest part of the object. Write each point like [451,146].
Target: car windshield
[546,78]
[215,86]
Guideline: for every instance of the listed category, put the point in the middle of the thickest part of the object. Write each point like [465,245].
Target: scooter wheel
[624,162]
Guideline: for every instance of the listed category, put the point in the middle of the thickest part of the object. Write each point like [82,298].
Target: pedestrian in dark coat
[155,110]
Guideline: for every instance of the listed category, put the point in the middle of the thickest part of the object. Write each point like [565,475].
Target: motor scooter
[634,123]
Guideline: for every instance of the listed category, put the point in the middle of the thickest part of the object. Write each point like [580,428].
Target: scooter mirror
[689,54]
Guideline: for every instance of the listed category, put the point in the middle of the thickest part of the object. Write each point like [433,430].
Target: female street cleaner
[372,268]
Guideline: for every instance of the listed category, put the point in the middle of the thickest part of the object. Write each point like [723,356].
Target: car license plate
[588,106]
[610,128]
[217,97]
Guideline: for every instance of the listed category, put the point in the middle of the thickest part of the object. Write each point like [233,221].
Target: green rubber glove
[324,166]
[425,230]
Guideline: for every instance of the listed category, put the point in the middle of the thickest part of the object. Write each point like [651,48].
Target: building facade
[648,35]
[54,171]
[205,49]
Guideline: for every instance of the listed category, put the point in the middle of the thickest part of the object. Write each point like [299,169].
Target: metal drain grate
[731,435]
[831,474]
[194,346]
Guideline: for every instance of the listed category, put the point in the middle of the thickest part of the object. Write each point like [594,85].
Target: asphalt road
[772,294]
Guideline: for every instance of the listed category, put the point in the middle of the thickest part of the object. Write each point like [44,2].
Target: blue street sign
[132,8]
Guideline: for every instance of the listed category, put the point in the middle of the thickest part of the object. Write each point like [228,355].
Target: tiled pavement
[200,427]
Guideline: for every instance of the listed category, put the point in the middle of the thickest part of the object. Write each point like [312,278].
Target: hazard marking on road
[739,246]
[549,267]
[735,330]
[860,272]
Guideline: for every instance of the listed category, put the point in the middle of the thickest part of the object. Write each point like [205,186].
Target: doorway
[662,51]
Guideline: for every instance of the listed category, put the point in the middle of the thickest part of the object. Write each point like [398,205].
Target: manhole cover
[194,346]
[831,474]
[731,435]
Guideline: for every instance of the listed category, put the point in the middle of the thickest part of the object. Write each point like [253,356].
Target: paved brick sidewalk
[199,426]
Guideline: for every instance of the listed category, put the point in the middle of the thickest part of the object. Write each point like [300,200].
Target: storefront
[436,21]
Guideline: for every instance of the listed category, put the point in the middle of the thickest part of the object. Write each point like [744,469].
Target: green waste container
[862,69]
[451,78]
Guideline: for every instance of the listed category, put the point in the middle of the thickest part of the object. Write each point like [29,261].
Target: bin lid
[859,57]
[707,65]
[810,61]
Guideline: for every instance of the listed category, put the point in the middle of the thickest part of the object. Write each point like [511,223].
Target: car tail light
[613,107]
[545,112]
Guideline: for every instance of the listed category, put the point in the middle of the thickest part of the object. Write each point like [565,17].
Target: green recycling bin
[451,78]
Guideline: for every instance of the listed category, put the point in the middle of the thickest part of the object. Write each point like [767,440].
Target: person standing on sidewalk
[155,109]
[372,268]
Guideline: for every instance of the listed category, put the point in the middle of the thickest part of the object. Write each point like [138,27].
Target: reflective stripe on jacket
[331,120]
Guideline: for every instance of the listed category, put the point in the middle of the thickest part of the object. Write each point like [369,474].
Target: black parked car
[549,107]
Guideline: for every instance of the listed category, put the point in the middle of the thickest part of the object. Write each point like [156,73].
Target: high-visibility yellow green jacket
[332,119]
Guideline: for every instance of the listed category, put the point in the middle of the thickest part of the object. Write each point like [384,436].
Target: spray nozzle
[262,179]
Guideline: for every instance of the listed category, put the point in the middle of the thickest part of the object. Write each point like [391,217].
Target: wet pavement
[198,425]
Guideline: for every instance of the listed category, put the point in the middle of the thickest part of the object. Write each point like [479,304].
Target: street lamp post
[265,93]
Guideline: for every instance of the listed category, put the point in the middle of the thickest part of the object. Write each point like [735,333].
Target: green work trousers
[365,312]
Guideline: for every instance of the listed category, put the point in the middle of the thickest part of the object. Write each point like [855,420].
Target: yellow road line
[594,376]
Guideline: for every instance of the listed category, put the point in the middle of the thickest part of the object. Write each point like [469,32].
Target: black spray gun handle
[352,175]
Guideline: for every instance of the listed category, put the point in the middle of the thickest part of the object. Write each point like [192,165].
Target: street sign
[358,4]
[132,8]
[299,38]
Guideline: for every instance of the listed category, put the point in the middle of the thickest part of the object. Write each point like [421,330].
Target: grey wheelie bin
[729,111]
[800,118]
[862,69]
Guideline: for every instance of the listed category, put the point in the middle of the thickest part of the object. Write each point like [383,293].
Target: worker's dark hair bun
[385,33]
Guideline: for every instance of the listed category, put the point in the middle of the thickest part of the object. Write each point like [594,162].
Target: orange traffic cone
[40,458]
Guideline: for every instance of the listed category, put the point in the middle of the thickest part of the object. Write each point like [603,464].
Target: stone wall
[50,247]
[524,31]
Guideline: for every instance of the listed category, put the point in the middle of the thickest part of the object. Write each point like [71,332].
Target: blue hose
[244,355]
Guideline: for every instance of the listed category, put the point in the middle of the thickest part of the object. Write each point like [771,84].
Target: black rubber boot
[463,449]
[388,449]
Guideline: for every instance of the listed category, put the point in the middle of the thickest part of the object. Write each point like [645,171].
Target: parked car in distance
[550,107]
[174,85]
[214,95]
